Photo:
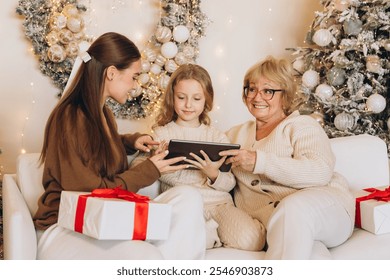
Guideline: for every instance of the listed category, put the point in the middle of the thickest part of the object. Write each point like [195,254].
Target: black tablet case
[185,147]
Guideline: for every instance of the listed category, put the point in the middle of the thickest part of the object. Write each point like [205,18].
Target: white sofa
[362,159]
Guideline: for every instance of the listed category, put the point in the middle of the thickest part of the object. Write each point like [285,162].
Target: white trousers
[305,224]
[187,238]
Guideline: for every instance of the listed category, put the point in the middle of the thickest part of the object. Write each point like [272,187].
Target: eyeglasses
[266,94]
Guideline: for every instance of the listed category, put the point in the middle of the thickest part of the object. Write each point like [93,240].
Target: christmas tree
[343,71]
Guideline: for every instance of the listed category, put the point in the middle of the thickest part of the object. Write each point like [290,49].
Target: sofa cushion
[362,160]
[29,177]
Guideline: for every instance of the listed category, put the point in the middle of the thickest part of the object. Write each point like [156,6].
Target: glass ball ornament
[75,23]
[160,60]
[299,65]
[169,49]
[163,81]
[56,53]
[181,33]
[52,38]
[310,78]
[58,21]
[373,64]
[344,121]
[135,92]
[155,69]
[322,37]
[353,27]
[170,66]
[72,49]
[180,58]
[65,36]
[336,76]
[145,65]
[143,79]
[324,91]
[163,34]
[70,10]
[376,103]
[150,54]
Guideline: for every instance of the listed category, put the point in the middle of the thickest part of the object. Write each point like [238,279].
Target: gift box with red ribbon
[373,210]
[114,214]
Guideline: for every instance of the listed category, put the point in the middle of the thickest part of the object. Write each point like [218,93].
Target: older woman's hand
[244,158]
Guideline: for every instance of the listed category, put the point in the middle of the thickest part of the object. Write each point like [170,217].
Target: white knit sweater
[296,155]
[213,194]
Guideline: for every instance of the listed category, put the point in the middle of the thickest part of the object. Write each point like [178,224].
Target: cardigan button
[255,182]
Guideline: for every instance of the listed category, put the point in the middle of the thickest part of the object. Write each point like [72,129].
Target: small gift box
[373,210]
[114,214]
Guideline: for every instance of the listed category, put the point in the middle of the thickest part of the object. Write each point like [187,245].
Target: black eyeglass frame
[269,89]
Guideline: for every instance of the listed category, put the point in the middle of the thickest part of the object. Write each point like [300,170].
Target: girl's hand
[165,165]
[145,143]
[244,158]
[207,166]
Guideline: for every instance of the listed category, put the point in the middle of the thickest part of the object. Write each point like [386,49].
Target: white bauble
[181,33]
[70,10]
[143,79]
[65,36]
[170,66]
[155,69]
[145,65]
[72,49]
[163,81]
[310,78]
[75,24]
[322,37]
[386,45]
[324,91]
[56,53]
[58,21]
[181,58]
[336,76]
[150,54]
[169,49]
[52,38]
[160,60]
[376,103]
[344,121]
[136,92]
[299,65]
[353,26]
[163,34]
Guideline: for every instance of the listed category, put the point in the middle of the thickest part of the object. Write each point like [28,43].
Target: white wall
[240,33]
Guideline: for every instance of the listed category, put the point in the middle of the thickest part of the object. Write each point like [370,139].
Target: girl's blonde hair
[186,72]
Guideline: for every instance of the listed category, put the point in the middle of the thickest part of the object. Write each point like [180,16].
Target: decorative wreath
[56,30]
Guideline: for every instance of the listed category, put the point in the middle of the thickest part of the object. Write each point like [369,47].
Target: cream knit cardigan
[296,155]
[212,193]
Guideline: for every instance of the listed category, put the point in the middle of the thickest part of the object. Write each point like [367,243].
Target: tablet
[179,148]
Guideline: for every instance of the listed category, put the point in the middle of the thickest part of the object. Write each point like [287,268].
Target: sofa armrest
[20,239]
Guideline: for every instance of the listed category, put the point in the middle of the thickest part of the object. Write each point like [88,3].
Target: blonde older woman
[285,170]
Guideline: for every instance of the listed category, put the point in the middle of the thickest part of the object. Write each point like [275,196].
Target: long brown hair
[186,72]
[85,96]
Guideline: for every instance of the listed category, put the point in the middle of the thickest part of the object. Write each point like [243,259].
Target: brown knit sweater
[77,174]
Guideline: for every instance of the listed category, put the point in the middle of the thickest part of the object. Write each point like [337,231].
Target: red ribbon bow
[380,195]
[140,214]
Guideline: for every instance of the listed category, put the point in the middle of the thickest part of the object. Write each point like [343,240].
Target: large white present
[373,210]
[118,215]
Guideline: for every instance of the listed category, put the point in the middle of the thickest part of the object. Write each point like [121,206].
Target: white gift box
[113,218]
[374,214]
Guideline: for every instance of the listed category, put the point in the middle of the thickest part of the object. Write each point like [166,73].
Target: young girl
[184,115]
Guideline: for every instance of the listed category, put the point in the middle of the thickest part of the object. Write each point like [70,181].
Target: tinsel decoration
[355,65]
[49,28]
[174,42]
